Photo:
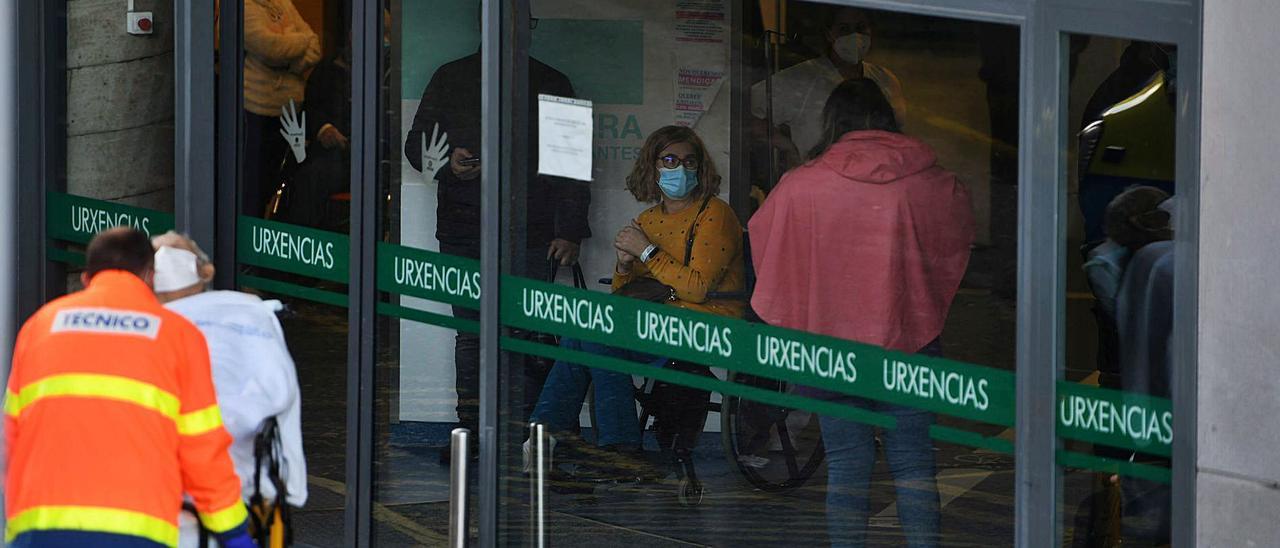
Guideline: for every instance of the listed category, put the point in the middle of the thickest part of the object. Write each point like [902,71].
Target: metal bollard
[458,487]
[538,484]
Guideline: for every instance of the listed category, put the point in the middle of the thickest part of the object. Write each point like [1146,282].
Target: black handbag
[650,289]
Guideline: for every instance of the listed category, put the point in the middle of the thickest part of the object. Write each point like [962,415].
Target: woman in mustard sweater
[674,170]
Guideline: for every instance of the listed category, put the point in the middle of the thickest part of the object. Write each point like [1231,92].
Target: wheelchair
[773,449]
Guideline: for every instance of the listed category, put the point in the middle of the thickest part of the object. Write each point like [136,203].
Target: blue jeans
[851,455]
[566,388]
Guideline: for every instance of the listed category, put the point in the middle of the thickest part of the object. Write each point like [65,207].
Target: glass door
[1114,413]
[794,322]
[111,150]
[427,365]
[292,222]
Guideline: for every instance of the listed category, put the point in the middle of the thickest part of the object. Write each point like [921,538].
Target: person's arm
[620,279]
[572,198]
[325,99]
[717,241]
[207,471]
[431,111]
[313,53]
[275,49]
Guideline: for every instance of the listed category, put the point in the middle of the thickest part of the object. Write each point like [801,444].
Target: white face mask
[175,269]
[853,48]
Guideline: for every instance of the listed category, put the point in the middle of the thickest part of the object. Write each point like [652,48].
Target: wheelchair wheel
[774,448]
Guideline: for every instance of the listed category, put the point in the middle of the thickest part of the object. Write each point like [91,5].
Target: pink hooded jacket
[868,242]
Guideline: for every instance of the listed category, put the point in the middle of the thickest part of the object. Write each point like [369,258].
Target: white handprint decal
[436,155]
[294,133]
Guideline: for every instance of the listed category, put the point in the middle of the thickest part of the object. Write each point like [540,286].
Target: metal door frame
[1041,230]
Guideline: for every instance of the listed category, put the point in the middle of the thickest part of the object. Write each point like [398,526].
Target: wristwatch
[648,253]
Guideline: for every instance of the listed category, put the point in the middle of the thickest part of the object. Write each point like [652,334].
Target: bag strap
[688,246]
[579,279]
[202,538]
[266,451]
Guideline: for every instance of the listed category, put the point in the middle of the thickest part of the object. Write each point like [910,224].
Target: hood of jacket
[877,157]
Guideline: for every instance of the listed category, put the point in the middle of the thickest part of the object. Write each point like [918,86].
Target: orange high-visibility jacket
[110,417]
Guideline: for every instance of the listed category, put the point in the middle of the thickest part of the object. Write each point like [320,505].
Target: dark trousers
[264,152]
[466,346]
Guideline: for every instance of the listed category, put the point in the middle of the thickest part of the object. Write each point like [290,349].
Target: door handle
[538,483]
[459,440]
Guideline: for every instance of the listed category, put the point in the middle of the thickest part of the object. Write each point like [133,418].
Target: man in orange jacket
[110,416]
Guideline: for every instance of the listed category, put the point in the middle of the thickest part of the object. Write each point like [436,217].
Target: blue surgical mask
[677,182]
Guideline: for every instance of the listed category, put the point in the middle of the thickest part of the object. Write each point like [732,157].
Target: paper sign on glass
[564,137]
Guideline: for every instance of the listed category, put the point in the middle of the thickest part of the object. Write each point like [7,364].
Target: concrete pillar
[1238,467]
[120,104]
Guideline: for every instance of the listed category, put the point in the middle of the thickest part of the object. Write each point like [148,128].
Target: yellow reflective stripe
[10,403]
[200,422]
[226,519]
[87,385]
[93,519]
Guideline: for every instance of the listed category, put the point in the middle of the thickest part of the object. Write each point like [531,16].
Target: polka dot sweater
[715,265]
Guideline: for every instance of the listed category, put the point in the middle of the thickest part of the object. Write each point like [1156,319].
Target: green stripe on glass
[293,290]
[295,249]
[1118,419]
[429,275]
[822,407]
[60,255]
[429,318]
[1148,472]
[697,381]
[967,391]
[963,437]
[77,219]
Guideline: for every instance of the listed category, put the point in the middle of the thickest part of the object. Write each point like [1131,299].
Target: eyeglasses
[670,161]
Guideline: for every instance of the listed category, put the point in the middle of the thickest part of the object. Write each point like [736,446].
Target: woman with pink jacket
[868,241]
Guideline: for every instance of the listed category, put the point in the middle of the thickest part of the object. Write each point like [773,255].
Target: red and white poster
[702,57]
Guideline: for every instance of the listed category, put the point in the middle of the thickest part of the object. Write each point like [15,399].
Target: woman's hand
[625,262]
[631,239]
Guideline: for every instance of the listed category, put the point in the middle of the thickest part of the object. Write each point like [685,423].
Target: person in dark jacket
[556,209]
[327,170]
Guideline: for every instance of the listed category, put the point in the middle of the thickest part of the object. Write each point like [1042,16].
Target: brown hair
[120,248]
[643,180]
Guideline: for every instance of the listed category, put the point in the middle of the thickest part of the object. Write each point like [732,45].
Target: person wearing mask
[556,208]
[800,91]
[868,241]
[111,415]
[279,49]
[253,373]
[674,170]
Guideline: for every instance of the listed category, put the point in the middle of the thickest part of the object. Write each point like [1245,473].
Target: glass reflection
[1120,300]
